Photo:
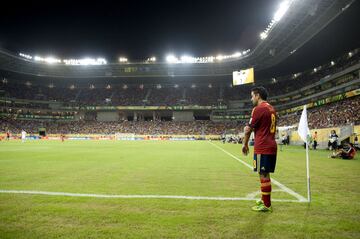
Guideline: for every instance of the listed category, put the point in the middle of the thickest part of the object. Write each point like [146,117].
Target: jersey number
[272,127]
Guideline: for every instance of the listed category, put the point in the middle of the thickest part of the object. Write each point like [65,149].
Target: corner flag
[303,128]
[304,133]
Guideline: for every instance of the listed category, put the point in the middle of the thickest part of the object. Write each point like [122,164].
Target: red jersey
[351,153]
[263,121]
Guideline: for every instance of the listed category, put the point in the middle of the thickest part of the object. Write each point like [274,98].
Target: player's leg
[264,165]
[265,182]
[264,205]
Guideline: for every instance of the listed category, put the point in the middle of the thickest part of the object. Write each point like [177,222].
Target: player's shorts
[264,163]
[346,156]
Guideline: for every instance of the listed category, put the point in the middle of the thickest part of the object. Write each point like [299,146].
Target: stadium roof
[301,22]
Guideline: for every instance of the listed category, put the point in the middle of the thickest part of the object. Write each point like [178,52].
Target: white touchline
[136,196]
[283,187]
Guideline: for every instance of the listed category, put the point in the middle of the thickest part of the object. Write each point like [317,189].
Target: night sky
[140,29]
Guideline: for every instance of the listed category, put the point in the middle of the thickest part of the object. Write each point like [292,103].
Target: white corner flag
[303,128]
[304,133]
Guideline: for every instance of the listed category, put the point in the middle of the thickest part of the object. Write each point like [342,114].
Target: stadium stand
[73,108]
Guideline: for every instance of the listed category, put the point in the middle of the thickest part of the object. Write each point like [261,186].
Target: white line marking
[137,196]
[283,187]
[254,194]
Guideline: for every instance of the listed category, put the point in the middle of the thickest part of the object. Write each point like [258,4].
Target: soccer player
[263,123]
[23,136]
[346,152]
[62,137]
[8,135]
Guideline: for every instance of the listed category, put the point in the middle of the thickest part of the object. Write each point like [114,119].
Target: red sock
[266,191]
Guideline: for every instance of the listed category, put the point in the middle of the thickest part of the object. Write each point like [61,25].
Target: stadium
[150,145]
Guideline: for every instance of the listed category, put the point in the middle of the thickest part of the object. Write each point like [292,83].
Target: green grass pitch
[170,168]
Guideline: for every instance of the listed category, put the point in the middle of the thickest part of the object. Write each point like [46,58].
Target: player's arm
[346,151]
[247,133]
[254,121]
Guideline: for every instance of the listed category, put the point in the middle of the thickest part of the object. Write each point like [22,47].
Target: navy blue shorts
[264,163]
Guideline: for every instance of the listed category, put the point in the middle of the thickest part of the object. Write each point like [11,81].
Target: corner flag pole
[304,133]
[308,172]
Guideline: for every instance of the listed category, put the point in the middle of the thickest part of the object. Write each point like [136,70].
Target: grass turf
[169,168]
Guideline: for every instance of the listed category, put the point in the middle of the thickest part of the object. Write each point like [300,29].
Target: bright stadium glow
[187,59]
[49,60]
[283,8]
[172,59]
[208,59]
[85,61]
[332,63]
[237,54]
[151,59]
[296,75]
[54,60]
[25,56]
[263,35]
[123,59]
[219,57]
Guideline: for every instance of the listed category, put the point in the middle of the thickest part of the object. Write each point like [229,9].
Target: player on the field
[8,135]
[23,136]
[347,151]
[62,136]
[263,123]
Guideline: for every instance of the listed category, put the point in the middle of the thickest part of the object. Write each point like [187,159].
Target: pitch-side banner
[243,76]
